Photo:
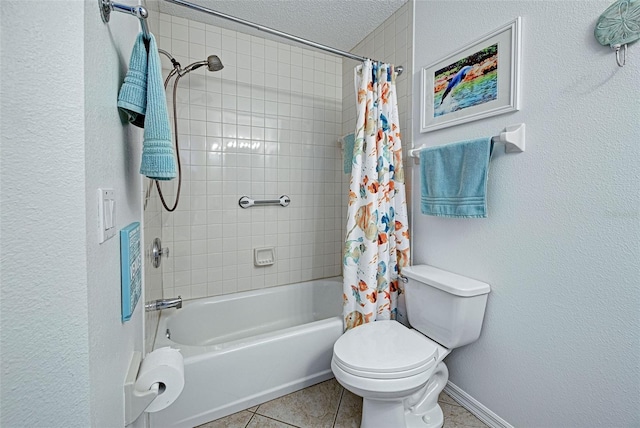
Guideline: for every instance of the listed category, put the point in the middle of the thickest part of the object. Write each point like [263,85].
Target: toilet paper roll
[166,367]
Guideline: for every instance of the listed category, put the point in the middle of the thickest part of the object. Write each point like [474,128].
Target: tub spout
[158,305]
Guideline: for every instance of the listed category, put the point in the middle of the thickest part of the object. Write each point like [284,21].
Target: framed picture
[477,81]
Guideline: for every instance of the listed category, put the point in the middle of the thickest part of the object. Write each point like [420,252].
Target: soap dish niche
[264,256]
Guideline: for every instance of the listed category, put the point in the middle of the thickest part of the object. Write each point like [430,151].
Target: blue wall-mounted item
[131,267]
[618,26]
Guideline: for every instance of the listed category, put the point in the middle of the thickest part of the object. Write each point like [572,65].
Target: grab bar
[246,202]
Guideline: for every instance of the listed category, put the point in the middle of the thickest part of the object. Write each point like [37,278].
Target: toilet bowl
[392,368]
[398,371]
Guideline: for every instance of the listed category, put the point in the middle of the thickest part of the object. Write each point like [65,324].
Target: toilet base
[423,409]
[434,418]
[383,414]
[420,410]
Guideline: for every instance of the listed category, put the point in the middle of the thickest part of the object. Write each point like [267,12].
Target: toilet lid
[384,349]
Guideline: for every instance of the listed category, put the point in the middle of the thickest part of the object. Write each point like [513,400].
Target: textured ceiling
[340,24]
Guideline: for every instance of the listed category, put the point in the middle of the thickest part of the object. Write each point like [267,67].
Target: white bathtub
[247,348]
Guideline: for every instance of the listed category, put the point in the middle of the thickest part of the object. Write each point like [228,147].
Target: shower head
[214,63]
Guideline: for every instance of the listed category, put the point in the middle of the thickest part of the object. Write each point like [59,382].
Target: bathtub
[243,349]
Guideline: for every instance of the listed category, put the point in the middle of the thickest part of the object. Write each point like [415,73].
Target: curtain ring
[624,57]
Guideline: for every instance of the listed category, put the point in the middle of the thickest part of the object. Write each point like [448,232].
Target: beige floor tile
[253,409]
[446,398]
[459,417]
[350,411]
[313,407]
[262,422]
[237,420]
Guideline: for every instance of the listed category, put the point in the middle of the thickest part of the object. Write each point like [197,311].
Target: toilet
[398,371]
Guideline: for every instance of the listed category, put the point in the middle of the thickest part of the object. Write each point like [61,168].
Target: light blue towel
[453,179]
[348,142]
[132,98]
[158,162]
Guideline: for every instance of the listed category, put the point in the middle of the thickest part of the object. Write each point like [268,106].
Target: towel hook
[624,56]
[618,26]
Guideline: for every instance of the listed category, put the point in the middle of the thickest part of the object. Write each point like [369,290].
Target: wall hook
[618,26]
[624,56]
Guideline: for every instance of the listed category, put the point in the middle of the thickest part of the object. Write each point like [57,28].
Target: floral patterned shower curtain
[377,241]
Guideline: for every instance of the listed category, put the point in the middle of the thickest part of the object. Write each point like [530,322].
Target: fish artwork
[380,277]
[455,81]
[355,318]
[356,295]
[353,250]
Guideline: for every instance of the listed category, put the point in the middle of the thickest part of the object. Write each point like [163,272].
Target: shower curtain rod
[297,39]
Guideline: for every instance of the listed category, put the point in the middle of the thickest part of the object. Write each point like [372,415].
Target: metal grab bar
[246,202]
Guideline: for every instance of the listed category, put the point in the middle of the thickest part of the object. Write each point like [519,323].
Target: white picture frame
[484,77]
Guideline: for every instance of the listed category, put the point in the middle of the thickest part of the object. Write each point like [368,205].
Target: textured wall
[44,336]
[266,125]
[112,159]
[64,349]
[560,248]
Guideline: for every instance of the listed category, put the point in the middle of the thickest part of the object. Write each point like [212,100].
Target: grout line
[253,415]
[335,417]
[278,420]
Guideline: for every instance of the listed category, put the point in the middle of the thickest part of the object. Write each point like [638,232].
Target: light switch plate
[106,214]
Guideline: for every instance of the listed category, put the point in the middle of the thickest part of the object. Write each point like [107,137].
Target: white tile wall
[152,228]
[264,126]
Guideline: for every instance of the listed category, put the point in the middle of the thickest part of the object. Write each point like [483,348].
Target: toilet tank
[444,306]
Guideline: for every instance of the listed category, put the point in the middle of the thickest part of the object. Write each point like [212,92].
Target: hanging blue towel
[142,98]
[132,99]
[158,162]
[348,142]
[453,179]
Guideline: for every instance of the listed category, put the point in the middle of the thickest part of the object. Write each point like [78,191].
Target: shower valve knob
[157,252]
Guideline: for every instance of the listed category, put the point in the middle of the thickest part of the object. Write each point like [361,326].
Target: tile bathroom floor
[326,405]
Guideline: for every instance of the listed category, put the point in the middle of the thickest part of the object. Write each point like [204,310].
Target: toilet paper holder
[135,402]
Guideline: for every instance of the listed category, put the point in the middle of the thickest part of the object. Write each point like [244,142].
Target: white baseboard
[474,406]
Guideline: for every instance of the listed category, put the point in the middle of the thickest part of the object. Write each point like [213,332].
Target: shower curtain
[377,240]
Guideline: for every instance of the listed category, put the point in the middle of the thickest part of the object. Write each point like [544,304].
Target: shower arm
[177,68]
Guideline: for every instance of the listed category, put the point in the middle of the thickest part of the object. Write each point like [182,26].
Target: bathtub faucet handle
[160,304]
[157,252]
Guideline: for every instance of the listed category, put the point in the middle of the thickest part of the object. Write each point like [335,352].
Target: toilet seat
[384,350]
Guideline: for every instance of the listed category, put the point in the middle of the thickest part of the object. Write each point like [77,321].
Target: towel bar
[140,12]
[512,137]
